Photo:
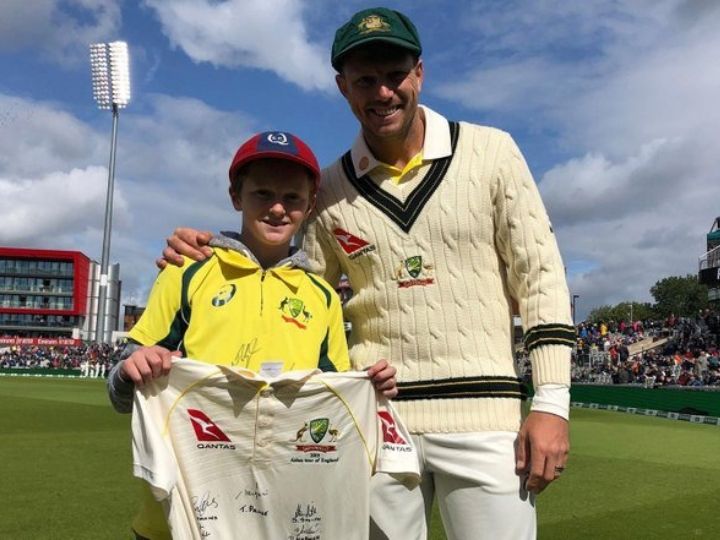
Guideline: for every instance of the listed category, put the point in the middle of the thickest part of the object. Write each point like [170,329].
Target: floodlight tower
[111,90]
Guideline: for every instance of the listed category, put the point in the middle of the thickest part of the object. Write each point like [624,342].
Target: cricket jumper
[233,454]
[435,264]
[228,310]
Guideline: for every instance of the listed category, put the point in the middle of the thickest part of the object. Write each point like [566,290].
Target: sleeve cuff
[121,391]
[553,399]
[550,365]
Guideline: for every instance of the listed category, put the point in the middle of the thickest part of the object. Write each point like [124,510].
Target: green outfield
[65,459]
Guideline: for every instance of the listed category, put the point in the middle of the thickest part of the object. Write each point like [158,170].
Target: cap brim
[371,39]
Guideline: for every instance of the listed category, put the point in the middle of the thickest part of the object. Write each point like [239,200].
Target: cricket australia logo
[294,311]
[373,23]
[224,295]
[319,430]
[412,272]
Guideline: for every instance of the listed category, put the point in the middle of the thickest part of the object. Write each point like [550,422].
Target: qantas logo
[389,429]
[208,431]
[351,244]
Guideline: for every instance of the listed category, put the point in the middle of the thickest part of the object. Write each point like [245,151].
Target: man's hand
[382,376]
[184,241]
[542,449]
[147,363]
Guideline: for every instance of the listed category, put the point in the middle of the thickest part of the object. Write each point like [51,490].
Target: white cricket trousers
[473,476]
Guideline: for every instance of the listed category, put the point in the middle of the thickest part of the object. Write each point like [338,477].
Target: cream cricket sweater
[435,264]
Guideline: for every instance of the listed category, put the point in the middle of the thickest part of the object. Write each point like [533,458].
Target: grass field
[65,471]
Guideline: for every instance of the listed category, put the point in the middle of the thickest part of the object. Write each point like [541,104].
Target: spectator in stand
[582,331]
[623,352]
[671,321]
[603,329]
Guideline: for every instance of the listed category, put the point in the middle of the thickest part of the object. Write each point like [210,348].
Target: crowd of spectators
[680,351]
[93,359]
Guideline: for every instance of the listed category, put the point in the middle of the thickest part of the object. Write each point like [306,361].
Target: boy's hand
[185,241]
[147,363]
[382,376]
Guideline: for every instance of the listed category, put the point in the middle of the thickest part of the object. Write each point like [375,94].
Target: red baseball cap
[276,145]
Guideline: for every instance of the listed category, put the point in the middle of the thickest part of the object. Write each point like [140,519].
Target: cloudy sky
[615,104]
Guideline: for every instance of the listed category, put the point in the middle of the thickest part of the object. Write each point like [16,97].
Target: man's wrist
[553,399]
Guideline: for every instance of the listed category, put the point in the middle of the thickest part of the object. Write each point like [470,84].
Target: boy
[254,304]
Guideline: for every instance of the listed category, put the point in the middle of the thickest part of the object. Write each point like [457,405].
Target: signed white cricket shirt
[231,453]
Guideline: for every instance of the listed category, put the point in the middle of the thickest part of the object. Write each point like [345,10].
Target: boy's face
[274,198]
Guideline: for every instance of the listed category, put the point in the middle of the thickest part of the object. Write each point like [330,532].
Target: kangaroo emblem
[301,433]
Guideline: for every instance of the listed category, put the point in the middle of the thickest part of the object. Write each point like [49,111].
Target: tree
[639,311]
[602,313]
[683,296]
[634,311]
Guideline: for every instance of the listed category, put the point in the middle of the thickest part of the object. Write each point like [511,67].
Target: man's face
[274,198]
[382,90]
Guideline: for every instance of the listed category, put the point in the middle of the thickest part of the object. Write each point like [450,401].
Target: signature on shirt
[246,352]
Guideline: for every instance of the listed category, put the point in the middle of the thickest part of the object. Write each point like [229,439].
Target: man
[440,229]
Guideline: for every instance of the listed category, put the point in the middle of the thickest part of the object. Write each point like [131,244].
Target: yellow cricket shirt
[228,310]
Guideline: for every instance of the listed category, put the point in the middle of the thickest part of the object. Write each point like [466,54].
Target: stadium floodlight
[110,67]
[110,74]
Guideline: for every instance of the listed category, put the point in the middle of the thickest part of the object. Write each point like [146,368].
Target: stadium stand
[677,352]
[92,360]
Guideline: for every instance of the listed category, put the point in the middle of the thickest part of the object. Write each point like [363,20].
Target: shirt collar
[436,145]
[287,378]
[233,252]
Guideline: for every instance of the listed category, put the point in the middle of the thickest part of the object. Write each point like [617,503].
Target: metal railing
[710,260]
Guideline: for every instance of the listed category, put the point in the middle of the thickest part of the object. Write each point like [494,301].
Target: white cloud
[515,88]
[59,202]
[262,34]
[176,159]
[60,29]
[36,138]
[594,189]
[171,170]
[630,92]
[634,220]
